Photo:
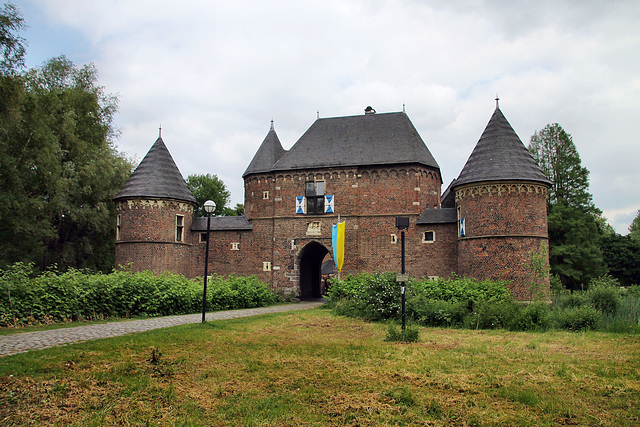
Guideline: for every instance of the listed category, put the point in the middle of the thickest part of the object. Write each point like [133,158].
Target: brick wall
[147,235]
[504,223]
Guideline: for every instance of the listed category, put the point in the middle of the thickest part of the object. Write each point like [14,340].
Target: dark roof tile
[437,216]
[270,152]
[366,140]
[222,223]
[500,155]
[157,176]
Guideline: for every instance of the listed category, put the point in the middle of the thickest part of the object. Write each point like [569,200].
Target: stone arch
[310,261]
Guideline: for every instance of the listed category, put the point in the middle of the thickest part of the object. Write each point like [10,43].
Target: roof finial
[317,114]
[497,99]
[403,108]
[272,123]
[160,131]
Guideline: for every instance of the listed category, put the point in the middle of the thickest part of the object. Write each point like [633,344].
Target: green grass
[313,368]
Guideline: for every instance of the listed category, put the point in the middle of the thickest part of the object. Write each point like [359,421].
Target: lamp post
[209,207]
[402,224]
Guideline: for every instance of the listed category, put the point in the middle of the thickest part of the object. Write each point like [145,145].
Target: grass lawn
[311,368]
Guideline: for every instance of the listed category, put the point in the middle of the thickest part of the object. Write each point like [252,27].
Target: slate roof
[268,154]
[437,216]
[364,140]
[157,176]
[500,155]
[222,223]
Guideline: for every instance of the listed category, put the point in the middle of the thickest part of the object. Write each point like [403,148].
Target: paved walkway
[23,342]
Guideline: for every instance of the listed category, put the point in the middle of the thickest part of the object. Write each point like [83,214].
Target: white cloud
[214,73]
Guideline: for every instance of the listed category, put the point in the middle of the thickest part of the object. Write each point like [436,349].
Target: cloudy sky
[214,74]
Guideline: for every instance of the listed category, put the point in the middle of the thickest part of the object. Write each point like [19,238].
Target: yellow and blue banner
[337,239]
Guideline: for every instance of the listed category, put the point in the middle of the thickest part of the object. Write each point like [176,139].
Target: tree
[575,224]
[210,187]
[634,228]
[11,45]
[60,170]
[557,155]
[622,258]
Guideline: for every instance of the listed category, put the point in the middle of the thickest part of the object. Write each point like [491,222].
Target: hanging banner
[328,204]
[300,205]
[337,239]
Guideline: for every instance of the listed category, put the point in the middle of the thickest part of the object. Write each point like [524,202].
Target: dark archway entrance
[310,270]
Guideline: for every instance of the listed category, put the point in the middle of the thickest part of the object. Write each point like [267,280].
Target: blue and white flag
[328,204]
[300,205]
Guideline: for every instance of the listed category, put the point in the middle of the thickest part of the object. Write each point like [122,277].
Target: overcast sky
[214,74]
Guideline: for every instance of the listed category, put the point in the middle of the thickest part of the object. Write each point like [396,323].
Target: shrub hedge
[469,303]
[27,297]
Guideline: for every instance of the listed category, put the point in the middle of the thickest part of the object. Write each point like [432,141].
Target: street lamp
[402,224]
[209,207]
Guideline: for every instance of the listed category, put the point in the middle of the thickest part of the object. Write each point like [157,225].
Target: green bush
[604,294]
[27,298]
[533,317]
[491,315]
[569,300]
[371,296]
[578,318]
[430,312]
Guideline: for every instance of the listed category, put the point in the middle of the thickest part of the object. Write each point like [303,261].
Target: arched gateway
[310,260]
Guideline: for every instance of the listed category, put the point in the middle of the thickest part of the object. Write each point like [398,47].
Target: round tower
[154,216]
[501,203]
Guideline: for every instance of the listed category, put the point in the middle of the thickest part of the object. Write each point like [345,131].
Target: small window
[179,228]
[314,193]
[428,237]
[118,226]
[266,266]
[203,237]
[394,239]
[235,246]
[265,195]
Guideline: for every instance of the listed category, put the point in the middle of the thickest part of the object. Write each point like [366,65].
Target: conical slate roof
[267,155]
[157,176]
[500,155]
[369,139]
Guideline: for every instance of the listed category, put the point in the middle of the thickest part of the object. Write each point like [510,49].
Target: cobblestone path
[38,340]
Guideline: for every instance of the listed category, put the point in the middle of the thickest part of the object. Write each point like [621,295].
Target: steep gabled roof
[268,154]
[365,140]
[500,155]
[157,176]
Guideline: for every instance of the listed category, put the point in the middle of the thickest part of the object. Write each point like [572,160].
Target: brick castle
[365,170]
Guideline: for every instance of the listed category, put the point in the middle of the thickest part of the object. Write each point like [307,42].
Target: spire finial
[317,114]
[403,108]
[272,123]
[160,131]
[497,99]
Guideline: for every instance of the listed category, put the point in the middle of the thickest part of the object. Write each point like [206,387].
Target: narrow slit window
[179,228]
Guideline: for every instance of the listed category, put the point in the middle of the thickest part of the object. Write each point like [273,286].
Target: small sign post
[402,224]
